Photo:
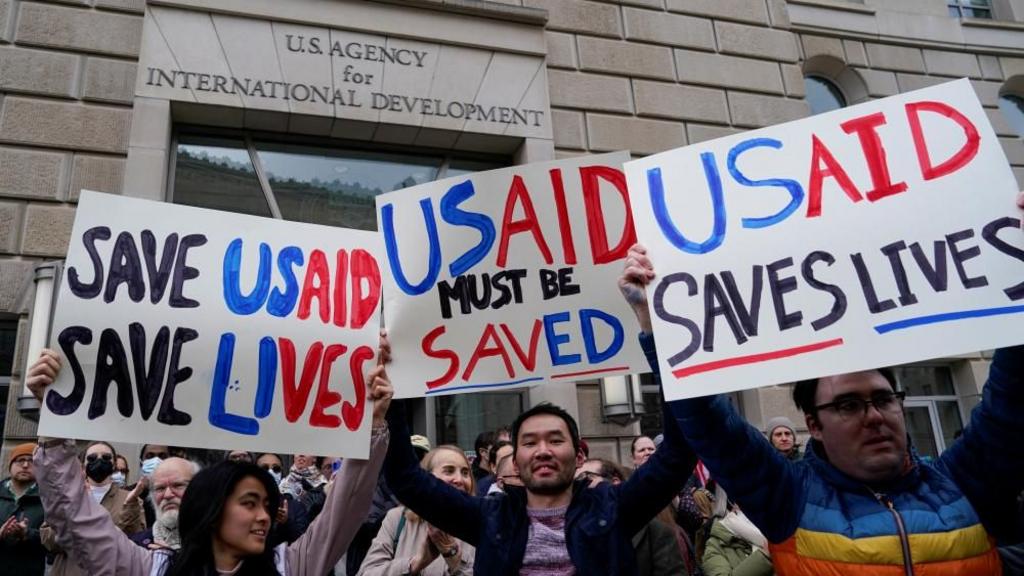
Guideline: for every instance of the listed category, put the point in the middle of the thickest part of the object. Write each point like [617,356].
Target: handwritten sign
[508,278]
[194,327]
[874,235]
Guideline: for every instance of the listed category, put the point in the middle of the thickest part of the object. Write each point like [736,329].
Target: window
[823,95]
[970,8]
[1012,107]
[460,418]
[8,337]
[932,408]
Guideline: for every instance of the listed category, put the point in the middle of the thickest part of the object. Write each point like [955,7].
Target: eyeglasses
[274,467]
[593,475]
[22,461]
[176,487]
[856,407]
[93,457]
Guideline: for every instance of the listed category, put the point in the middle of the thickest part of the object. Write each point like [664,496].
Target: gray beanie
[777,422]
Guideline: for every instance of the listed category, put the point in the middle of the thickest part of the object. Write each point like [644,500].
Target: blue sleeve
[443,506]
[987,462]
[740,458]
[653,485]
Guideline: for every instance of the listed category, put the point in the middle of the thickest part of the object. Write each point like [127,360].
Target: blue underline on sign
[473,386]
[947,317]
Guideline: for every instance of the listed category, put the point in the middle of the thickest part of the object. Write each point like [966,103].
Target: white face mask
[148,466]
[276,476]
[117,478]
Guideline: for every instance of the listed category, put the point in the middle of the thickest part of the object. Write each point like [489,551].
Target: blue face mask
[117,478]
[148,466]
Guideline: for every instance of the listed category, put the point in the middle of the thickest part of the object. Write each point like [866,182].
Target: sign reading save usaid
[247,63]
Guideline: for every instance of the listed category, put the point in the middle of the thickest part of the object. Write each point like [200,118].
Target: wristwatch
[451,551]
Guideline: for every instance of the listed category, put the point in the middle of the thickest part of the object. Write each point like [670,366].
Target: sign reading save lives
[193,327]
[508,277]
[874,235]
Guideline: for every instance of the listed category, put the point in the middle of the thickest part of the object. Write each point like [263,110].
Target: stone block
[568,129]
[793,79]
[908,82]
[1018,172]
[661,99]
[77,29]
[670,29]
[1011,66]
[755,110]
[6,8]
[561,50]
[64,125]
[10,225]
[607,133]
[999,123]
[13,277]
[778,13]
[134,6]
[1014,149]
[644,3]
[581,16]
[589,91]
[702,132]
[27,173]
[636,60]
[898,58]
[47,230]
[38,72]
[879,82]
[109,80]
[741,10]
[728,71]
[99,173]
[855,53]
[988,92]
[756,41]
[957,64]
[990,69]
[815,46]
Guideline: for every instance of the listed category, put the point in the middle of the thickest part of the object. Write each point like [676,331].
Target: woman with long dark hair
[226,513]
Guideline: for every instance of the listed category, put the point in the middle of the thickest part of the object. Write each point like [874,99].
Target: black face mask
[99,470]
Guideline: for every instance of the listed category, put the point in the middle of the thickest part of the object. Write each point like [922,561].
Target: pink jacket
[101,549]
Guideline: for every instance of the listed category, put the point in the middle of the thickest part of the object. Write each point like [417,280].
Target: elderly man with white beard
[167,486]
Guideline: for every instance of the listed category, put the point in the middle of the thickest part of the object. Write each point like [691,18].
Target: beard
[165,529]
[548,486]
[168,519]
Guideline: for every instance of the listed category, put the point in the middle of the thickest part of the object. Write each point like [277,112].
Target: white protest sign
[508,278]
[874,235]
[194,327]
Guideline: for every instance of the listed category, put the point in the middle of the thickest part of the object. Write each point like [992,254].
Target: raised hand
[43,373]
[637,272]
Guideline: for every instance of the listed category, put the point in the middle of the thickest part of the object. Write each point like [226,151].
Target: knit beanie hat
[780,421]
[20,450]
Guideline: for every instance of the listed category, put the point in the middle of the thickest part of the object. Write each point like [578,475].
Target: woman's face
[303,461]
[246,521]
[453,468]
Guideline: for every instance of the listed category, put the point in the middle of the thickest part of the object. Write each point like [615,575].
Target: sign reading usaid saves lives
[874,235]
[194,327]
[508,277]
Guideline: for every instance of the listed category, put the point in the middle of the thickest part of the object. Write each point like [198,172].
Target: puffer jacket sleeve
[79,522]
[329,535]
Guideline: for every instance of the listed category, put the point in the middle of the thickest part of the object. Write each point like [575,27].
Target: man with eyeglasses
[21,514]
[166,485]
[861,501]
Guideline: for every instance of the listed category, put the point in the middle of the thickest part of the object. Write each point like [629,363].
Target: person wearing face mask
[123,506]
[407,544]
[291,519]
[120,477]
[150,456]
[305,484]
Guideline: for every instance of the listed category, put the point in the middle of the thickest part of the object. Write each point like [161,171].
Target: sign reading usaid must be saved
[226,60]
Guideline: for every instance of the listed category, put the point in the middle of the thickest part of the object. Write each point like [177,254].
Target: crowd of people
[709,495]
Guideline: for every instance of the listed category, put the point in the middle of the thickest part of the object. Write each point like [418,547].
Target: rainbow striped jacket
[940,518]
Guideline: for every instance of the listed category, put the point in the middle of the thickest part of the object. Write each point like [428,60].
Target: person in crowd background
[226,511]
[506,475]
[166,487]
[498,450]
[121,473]
[641,448]
[239,456]
[406,544]
[21,514]
[782,434]
[291,519]
[734,546]
[482,449]
[123,506]
[305,484]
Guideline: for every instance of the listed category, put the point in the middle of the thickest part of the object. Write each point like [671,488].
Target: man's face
[642,450]
[782,439]
[592,470]
[545,456]
[869,447]
[22,469]
[168,483]
[155,451]
[506,473]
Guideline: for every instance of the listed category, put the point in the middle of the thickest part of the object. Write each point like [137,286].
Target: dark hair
[547,408]
[142,451]
[632,445]
[610,470]
[483,440]
[804,391]
[113,452]
[494,450]
[202,510]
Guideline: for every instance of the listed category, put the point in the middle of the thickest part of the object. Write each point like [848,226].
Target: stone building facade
[81,107]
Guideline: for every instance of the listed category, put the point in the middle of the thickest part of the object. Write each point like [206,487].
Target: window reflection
[823,95]
[218,174]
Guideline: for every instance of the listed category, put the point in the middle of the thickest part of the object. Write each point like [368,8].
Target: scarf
[301,479]
[738,523]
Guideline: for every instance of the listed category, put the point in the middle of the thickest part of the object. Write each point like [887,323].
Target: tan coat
[386,559]
[128,518]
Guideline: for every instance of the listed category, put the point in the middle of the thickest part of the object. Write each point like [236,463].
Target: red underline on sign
[755,358]
[585,372]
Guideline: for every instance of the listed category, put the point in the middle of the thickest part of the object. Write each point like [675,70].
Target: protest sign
[874,235]
[194,327]
[508,277]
